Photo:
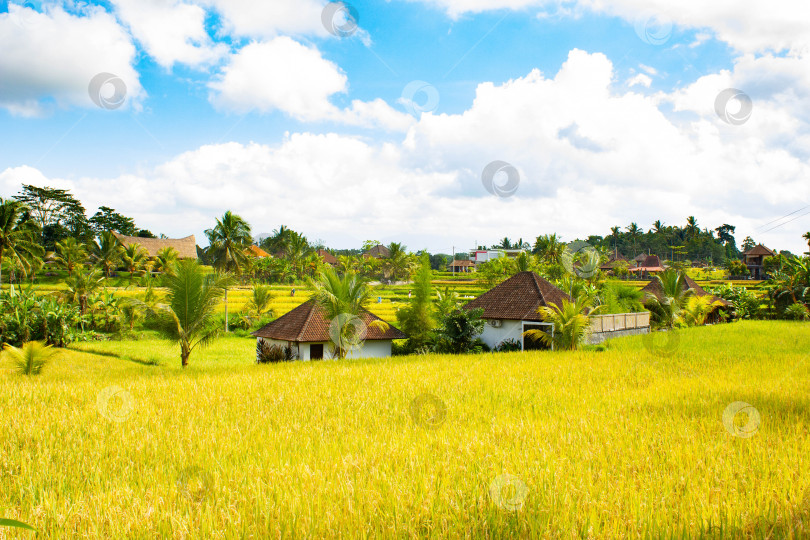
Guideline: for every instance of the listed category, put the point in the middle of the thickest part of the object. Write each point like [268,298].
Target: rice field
[705,433]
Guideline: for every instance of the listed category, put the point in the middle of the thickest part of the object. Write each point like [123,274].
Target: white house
[306,329]
[511,308]
[479,256]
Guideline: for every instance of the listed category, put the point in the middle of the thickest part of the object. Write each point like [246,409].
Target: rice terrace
[404,269]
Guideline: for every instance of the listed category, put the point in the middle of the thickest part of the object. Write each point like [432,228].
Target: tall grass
[610,444]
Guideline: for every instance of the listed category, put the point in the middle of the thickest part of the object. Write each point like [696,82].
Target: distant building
[461,266]
[754,259]
[654,288]
[377,252]
[650,265]
[256,251]
[480,256]
[327,257]
[186,248]
[306,329]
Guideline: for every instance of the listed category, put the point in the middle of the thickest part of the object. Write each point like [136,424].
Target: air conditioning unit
[495,323]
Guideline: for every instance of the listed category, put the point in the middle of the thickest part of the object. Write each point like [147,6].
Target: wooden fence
[621,321]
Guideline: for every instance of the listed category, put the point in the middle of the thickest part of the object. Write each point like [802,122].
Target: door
[316,351]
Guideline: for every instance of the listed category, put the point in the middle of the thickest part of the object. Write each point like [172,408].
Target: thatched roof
[378,252]
[307,324]
[518,298]
[256,251]
[186,247]
[651,264]
[461,264]
[654,288]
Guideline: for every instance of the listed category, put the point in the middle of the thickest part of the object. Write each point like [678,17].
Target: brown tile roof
[462,263]
[186,247]
[654,288]
[378,252]
[307,323]
[518,298]
[256,251]
[759,249]
[640,258]
[327,257]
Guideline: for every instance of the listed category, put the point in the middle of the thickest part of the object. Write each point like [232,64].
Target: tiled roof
[518,298]
[327,257]
[759,249]
[307,323]
[654,288]
[186,247]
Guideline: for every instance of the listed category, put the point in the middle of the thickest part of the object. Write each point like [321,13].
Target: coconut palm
[30,358]
[674,294]
[82,285]
[189,317]
[549,248]
[107,252]
[398,265]
[70,255]
[228,243]
[635,232]
[17,236]
[692,228]
[341,296]
[260,300]
[806,236]
[697,308]
[166,260]
[134,259]
[296,250]
[570,322]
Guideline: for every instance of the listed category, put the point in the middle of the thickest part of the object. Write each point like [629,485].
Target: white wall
[369,349]
[508,330]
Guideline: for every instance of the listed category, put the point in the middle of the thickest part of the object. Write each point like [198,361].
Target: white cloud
[268,19]
[640,79]
[282,74]
[170,31]
[51,57]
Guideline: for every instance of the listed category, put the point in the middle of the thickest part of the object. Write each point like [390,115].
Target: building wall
[369,349]
[599,337]
[508,330]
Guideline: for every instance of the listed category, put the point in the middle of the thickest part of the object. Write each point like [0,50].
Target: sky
[441,124]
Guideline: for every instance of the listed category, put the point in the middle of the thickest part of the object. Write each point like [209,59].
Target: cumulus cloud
[51,57]
[269,19]
[170,31]
[285,75]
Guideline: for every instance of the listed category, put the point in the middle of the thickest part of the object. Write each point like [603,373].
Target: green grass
[617,443]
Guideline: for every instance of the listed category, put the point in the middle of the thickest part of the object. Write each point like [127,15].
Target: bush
[508,345]
[797,312]
[272,354]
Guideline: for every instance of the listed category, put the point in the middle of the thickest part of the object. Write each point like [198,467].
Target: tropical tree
[692,228]
[806,236]
[398,264]
[30,358]
[17,236]
[341,296]
[447,301]
[189,316]
[697,308]
[459,331]
[634,231]
[674,294]
[296,250]
[260,299]
[549,248]
[107,252]
[571,323]
[70,255]
[416,319]
[166,260]
[228,243]
[82,285]
[134,259]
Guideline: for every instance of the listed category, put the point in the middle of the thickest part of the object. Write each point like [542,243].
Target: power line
[786,222]
[781,218]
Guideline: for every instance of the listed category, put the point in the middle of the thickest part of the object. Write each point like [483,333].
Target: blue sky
[262,111]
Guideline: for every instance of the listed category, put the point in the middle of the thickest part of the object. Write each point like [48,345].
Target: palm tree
[80,286]
[634,231]
[260,300]
[549,248]
[189,316]
[345,297]
[697,308]
[30,358]
[398,264]
[570,323]
[107,252]
[228,243]
[17,236]
[614,232]
[806,236]
[674,294]
[70,255]
[658,226]
[166,260]
[296,249]
[134,259]
[692,228]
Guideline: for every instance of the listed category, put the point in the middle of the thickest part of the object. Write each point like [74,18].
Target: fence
[621,321]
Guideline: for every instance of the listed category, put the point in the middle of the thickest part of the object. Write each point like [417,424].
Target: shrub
[272,354]
[30,358]
[797,312]
[508,345]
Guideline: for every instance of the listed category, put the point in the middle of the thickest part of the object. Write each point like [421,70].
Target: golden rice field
[114,440]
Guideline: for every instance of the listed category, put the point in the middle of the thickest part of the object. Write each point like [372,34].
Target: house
[654,288]
[306,329]
[186,248]
[650,265]
[754,259]
[461,266]
[511,308]
[327,257]
[613,260]
[257,252]
[480,256]
[377,252]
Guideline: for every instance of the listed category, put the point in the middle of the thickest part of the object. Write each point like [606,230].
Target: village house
[461,266]
[654,288]
[186,248]
[306,329]
[754,259]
